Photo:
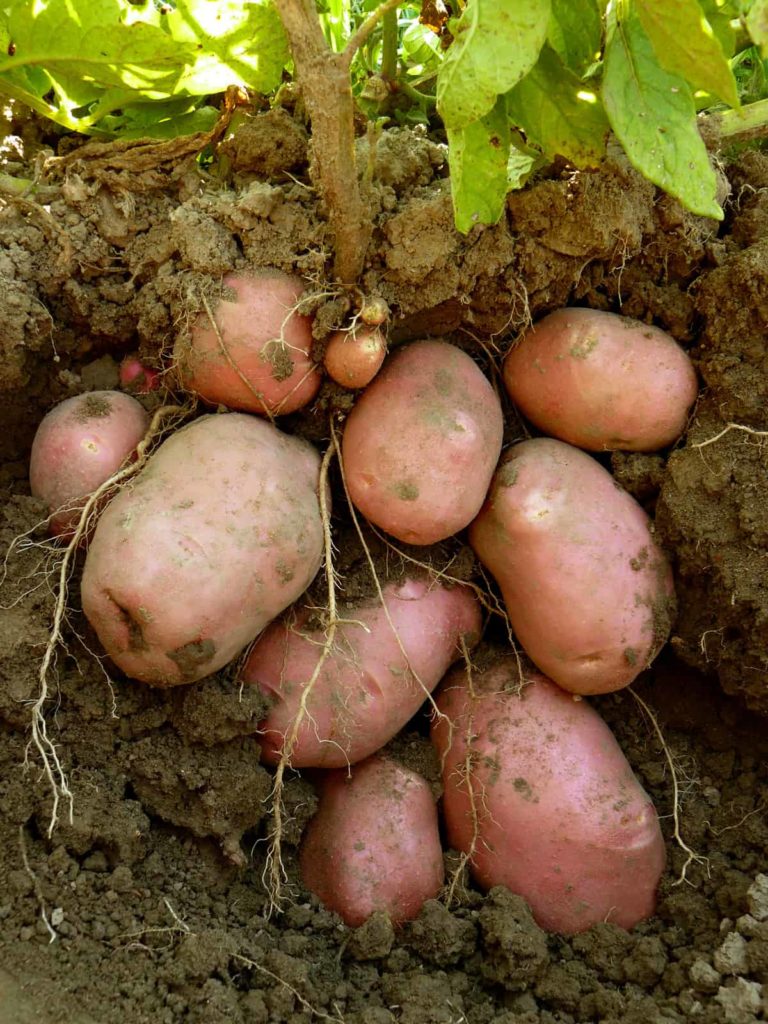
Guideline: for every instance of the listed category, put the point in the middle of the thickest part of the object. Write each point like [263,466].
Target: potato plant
[224,526]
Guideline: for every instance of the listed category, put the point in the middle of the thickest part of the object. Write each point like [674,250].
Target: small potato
[541,798]
[78,446]
[257,357]
[601,381]
[137,378]
[353,358]
[421,444]
[588,592]
[218,533]
[374,843]
[373,681]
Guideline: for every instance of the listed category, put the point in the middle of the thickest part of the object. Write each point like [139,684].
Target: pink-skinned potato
[78,446]
[382,667]
[421,443]
[601,381]
[543,801]
[373,843]
[588,592]
[257,356]
[218,533]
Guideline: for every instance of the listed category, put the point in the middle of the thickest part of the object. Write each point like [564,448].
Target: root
[376,581]
[46,748]
[726,430]
[691,856]
[36,886]
[468,779]
[274,875]
[305,1004]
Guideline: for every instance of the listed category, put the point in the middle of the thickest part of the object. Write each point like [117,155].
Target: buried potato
[255,353]
[421,443]
[374,843]
[601,381]
[540,797]
[381,669]
[588,592]
[78,446]
[217,534]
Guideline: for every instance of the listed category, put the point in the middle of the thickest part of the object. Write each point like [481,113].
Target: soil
[149,904]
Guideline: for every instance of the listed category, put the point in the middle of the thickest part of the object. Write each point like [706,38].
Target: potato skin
[78,446]
[561,818]
[601,381]
[220,531]
[368,688]
[374,843]
[280,377]
[353,358]
[588,592]
[421,443]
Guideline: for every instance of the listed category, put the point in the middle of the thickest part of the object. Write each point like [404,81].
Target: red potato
[257,357]
[421,444]
[353,358]
[559,817]
[601,381]
[219,533]
[78,446]
[374,843]
[587,590]
[138,378]
[373,681]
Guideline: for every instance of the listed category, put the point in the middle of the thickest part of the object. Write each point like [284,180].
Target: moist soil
[149,905]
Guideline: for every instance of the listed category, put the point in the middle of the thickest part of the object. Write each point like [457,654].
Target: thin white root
[691,856]
[304,1003]
[36,886]
[376,581]
[726,430]
[274,871]
[46,748]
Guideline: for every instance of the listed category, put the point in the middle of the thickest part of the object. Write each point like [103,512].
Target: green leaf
[522,162]
[478,155]
[77,62]
[721,18]
[238,43]
[685,44]
[558,113]
[757,24]
[651,110]
[575,33]
[496,43]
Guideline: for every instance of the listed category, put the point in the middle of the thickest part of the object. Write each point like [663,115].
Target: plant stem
[324,80]
[327,90]
[751,122]
[389,45]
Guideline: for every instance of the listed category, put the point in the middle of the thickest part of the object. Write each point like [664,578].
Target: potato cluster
[206,551]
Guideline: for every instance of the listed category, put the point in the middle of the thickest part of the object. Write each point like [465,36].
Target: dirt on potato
[148,905]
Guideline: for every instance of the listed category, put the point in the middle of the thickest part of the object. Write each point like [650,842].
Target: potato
[219,532]
[78,446]
[373,681]
[601,381]
[538,792]
[257,358]
[374,843]
[588,592]
[353,358]
[421,443]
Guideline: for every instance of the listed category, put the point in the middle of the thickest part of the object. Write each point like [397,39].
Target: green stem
[751,122]
[389,45]
[422,98]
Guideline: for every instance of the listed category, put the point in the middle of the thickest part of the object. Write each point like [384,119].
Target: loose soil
[149,905]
